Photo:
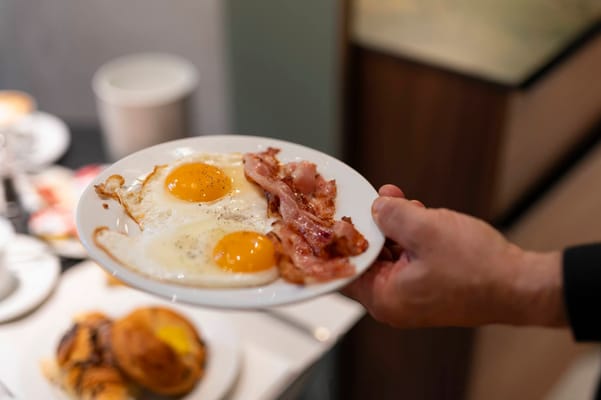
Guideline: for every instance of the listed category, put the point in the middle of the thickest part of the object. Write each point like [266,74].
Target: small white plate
[62,187]
[50,139]
[68,248]
[36,271]
[223,345]
[355,196]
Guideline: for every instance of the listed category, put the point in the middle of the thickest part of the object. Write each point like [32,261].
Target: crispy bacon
[312,191]
[312,246]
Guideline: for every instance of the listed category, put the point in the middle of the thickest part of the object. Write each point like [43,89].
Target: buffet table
[274,352]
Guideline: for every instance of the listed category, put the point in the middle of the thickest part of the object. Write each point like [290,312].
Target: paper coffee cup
[7,280]
[142,100]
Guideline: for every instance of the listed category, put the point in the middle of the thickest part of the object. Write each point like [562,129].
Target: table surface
[274,353]
[509,42]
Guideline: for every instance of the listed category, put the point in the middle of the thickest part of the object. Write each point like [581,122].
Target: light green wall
[283,70]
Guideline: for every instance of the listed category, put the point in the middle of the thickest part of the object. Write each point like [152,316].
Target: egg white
[177,237]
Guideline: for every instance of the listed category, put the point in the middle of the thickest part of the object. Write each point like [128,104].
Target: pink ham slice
[312,246]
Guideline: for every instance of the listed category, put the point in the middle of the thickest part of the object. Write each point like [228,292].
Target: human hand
[444,268]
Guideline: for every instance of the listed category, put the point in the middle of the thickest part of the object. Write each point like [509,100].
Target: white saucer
[50,139]
[36,271]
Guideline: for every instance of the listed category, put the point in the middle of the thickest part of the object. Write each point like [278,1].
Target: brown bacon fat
[312,246]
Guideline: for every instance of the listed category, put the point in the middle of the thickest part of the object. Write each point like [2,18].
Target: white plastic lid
[144,79]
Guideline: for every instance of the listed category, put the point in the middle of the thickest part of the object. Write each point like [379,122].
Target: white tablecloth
[274,352]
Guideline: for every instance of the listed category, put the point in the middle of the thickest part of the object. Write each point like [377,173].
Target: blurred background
[489,107]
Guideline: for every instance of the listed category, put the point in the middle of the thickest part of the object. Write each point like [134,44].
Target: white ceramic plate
[50,139]
[223,345]
[355,196]
[36,271]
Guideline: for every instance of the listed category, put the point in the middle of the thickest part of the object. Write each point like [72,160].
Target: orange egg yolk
[244,251]
[174,336]
[198,182]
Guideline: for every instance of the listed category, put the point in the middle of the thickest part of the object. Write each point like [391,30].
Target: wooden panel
[439,136]
[546,121]
[433,133]
[379,362]
[569,214]
[519,363]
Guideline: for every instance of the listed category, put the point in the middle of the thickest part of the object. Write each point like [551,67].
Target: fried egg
[201,222]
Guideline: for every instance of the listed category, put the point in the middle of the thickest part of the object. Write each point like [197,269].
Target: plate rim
[184,294]
[49,265]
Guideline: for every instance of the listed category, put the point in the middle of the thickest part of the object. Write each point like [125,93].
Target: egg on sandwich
[201,223]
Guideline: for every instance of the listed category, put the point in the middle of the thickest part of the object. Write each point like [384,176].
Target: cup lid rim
[184,85]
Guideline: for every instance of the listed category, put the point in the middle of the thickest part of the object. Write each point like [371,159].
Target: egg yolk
[175,337]
[198,182]
[244,251]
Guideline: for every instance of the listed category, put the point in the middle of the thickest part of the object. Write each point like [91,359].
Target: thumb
[401,220]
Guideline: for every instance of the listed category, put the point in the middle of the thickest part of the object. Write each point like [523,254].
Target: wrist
[538,289]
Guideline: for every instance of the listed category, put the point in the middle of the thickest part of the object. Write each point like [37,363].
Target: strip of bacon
[299,265]
[312,191]
[312,246]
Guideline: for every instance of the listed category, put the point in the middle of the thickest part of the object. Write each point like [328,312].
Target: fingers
[362,289]
[418,203]
[395,250]
[391,191]
[385,254]
[391,251]
[400,220]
